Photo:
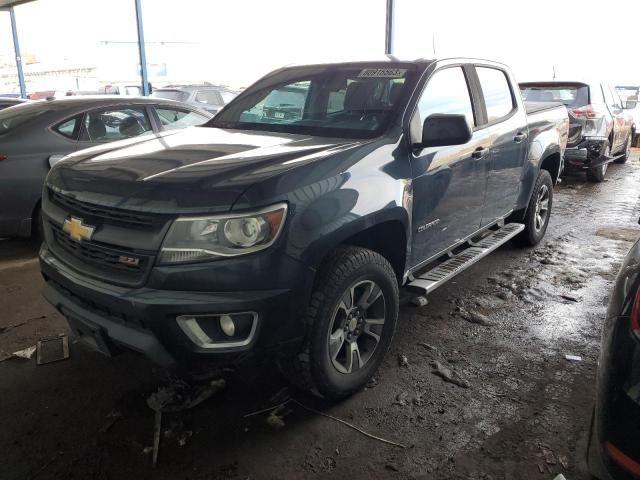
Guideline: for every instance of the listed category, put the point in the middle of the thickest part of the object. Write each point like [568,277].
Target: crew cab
[292,235]
[601,126]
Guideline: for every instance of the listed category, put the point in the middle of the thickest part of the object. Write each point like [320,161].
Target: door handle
[519,137]
[478,153]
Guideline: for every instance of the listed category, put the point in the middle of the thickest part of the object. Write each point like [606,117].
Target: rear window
[11,118]
[571,96]
[171,95]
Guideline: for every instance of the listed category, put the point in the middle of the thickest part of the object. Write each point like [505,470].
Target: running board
[432,279]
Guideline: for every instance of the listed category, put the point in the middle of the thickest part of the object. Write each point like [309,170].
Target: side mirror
[441,130]
[630,104]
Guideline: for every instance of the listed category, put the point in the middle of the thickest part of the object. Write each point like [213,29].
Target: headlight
[202,238]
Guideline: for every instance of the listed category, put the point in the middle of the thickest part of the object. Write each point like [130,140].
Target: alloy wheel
[542,207]
[356,327]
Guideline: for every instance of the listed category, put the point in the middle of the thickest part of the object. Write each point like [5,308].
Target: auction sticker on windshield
[383,73]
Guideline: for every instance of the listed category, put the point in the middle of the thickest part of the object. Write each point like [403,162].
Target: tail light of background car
[587,111]
[2,157]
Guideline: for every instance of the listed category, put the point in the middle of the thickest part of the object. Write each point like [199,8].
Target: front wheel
[536,219]
[351,321]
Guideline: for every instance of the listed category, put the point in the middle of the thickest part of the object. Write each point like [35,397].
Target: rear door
[506,125]
[615,109]
[448,182]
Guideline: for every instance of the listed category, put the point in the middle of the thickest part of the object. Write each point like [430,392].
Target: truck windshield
[352,101]
[571,95]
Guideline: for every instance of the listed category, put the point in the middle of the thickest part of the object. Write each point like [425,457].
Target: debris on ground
[275,421]
[573,358]
[571,298]
[350,425]
[564,461]
[401,399]
[427,346]
[112,417]
[372,383]
[7,328]
[52,349]
[180,395]
[548,455]
[625,234]
[477,317]
[449,375]
[420,301]
[26,353]
[403,361]
[560,477]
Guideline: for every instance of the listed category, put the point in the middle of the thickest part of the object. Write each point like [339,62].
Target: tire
[597,174]
[323,366]
[627,151]
[537,217]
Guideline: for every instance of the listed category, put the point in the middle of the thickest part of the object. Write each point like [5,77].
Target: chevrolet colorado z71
[290,232]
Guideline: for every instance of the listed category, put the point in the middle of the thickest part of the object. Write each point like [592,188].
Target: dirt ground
[525,414]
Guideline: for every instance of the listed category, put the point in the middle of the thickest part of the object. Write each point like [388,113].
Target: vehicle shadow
[18,249]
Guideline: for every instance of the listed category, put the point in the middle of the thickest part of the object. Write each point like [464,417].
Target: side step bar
[432,279]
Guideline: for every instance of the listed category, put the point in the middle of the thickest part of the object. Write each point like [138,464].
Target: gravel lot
[525,414]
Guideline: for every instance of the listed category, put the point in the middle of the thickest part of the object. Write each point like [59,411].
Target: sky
[236,41]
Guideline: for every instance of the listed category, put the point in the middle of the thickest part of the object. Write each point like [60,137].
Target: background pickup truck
[292,234]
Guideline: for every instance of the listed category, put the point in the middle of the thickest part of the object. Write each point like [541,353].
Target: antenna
[433,43]
[554,71]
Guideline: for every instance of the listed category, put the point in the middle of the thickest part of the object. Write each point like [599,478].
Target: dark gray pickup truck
[289,232]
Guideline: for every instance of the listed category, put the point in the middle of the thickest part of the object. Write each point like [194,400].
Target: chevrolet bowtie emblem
[77,230]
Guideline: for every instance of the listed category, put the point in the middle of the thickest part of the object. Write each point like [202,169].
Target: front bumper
[110,317]
[587,154]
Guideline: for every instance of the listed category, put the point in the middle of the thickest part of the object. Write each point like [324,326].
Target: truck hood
[197,169]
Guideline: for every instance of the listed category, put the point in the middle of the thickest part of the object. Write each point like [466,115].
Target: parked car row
[36,135]
[601,127]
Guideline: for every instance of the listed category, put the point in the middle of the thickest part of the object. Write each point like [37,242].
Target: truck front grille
[102,262]
[107,214]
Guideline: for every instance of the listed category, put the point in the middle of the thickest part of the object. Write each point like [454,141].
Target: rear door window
[69,128]
[106,125]
[496,92]
[173,118]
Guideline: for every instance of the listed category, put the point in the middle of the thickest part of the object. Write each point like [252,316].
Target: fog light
[227,325]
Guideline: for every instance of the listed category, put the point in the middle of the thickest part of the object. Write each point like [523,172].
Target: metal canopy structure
[8,5]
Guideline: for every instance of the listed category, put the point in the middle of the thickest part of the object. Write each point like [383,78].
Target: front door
[449,183]
[508,129]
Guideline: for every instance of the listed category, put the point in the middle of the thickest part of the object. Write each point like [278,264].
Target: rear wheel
[352,318]
[627,150]
[597,174]
[536,219]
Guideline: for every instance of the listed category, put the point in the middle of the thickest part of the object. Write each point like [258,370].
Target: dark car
[601,126]
[614,447]
[209,97]
[6,102]
[290,237]
[35,135]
